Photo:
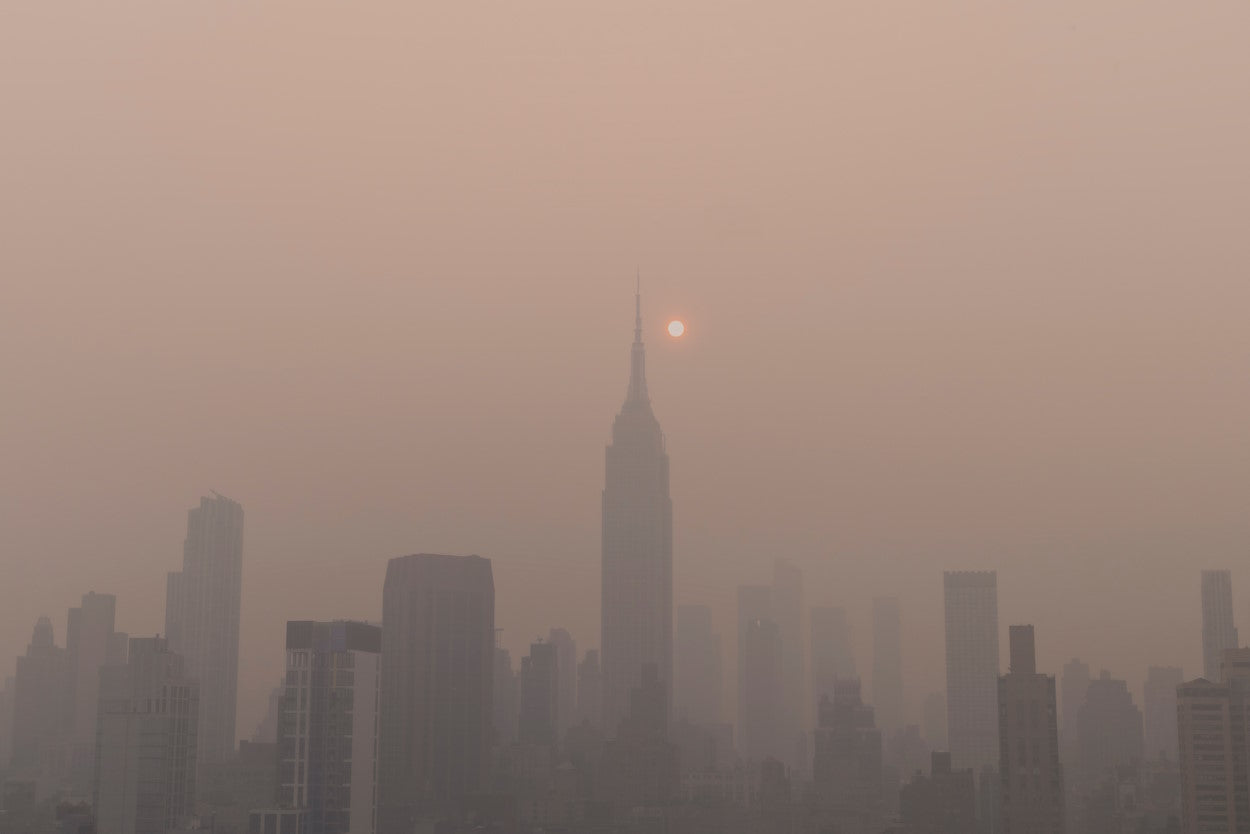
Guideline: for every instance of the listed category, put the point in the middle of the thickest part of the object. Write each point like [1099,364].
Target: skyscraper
[590,689]
[1214,748]
[328,728]
[202,618]
[637,576]
[1028,727]
[87,645]
[944,803]
[1074,684]
[1110,731]
[698,666]
[787,613]
[1218,631]
[539,718]
[145,771]
[1160,708]
[41,710]
[832,656]
[438,657]
[887,664]
[761,698]
[847,764]
[972,668]
[566,660]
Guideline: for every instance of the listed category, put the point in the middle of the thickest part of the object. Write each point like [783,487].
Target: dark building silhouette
[637,602]
[971,599]
[934,727]
[1218,631]
[145,773]
[590,690]
[1031,796]
[847,767]
[942,803]
[787,612]
[328,725]
[1110,731]
[698,666]
[1159,702]
[89,637]
[566,660]
[1213,718]
[761,699]
[640,765]
[1074,686]
[887,664]
[202,603]
[42,709]
[832,655]
[438,657]
[540,696]
[507,698]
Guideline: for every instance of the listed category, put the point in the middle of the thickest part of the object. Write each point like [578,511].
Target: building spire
[637,355]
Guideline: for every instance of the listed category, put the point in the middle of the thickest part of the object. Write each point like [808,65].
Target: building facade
[202,605]
[1030,775]
[1212,721]
[887,664]
[328,725]
[698,666]
[832,654]
[637,547]
[971,603]
[1159,703]
[1218,631]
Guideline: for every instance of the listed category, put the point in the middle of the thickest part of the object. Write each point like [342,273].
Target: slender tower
[637,606]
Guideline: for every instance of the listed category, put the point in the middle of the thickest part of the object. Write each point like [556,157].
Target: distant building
[1074,685]
[266,731]
[943,803]
[761,699]
[590,690]
[887,664]
[637,568]
[1160,709]
[640,765]
[438,659]
[7,694]
[847,764]
[540,696]
[1214,749]
[145,773]
[88,642]
[832,656]
[787,613]
[934,727]
[971,601]
[227,792]
[507,698]
[202,603]
[698,666]
[328,726]
[1110,728]
[42,709]
[1032,794]
[566,660]
[1218,631]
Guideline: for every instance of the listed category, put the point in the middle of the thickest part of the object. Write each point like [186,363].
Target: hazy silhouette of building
[7,695]
[1159,702]
[787,613]
[761,698]
[1109,728]
[1218,631]
[202,603]
[145,773]
[847,763]
[1031,778]
[887,664]
[971,602]
[640,765]
[942,803]
[935,720]
[832,655]
[328,727]
[1074,685]
[698,666]
[540,696]
[42,708]
[590,690]
[637,575]
[90,643]
[506,703]
[566,661]
[227,792]
[438,658]
[1212,722]
[266,731]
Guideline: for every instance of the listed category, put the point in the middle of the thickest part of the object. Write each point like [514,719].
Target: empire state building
[637,608]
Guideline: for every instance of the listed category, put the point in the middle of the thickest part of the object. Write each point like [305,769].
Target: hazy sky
[967,287]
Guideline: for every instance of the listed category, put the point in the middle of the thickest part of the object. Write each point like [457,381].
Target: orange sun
[676,328]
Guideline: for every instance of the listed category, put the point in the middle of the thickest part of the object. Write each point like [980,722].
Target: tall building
[1109,729]
[590,689]
[1218,631]
[566,660]
[1214,748]
[640,765]
[328,725]
[1160,708]
[761,699]
[1074,685]
[935,720]
[539,719]
[698,666]
[637,575]
[847,769]
[832,656]
[438,658]
[1030,776]
[787,613]
[944,803]
[972,668]
[887,664]
[145,771]
[6,721]
[202,617]
[507,698]
[87,644]
[41,708]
